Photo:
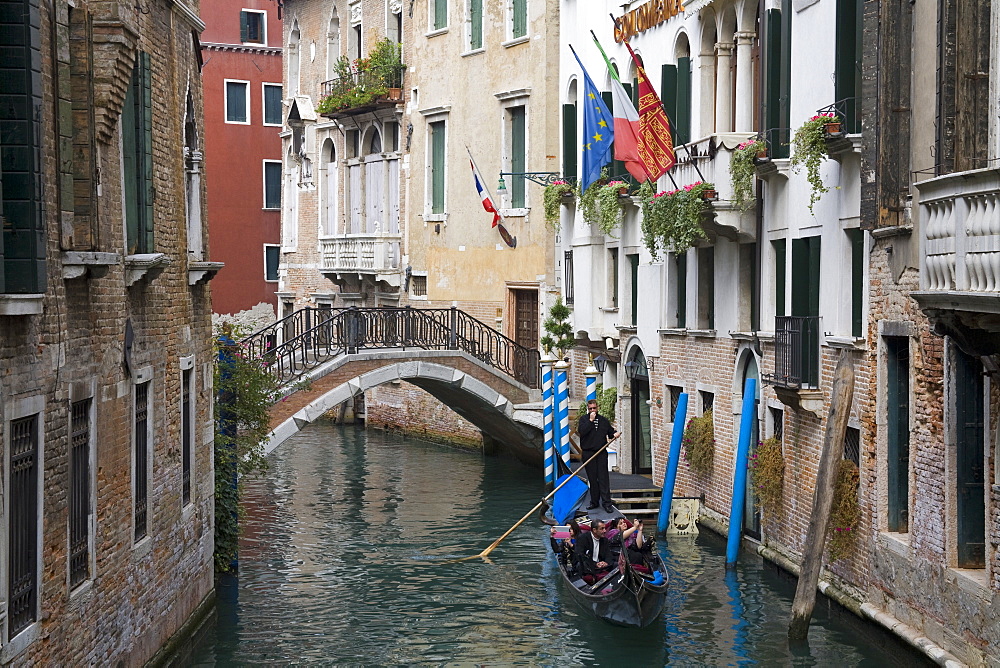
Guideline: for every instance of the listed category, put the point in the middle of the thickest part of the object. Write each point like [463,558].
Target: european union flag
[598,131]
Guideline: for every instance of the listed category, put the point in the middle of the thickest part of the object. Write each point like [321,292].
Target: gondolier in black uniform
[595,431]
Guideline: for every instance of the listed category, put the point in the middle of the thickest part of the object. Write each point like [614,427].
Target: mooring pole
[548,419]
[740,474]
[670,479]
[812,557]
[561,380]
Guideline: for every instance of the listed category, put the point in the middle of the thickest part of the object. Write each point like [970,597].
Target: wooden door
[526,318]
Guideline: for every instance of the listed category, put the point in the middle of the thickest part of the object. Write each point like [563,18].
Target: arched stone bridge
[478,373]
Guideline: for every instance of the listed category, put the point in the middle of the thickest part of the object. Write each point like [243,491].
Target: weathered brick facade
[102,322]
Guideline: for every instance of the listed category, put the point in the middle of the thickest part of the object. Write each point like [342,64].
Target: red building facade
[241,50]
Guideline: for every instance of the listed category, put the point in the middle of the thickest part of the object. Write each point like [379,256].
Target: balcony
[375,255]
[360,92]
[960,256]
[796,362]
[707,159]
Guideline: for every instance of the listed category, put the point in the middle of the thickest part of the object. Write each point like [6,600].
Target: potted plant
[742,170]
[809,150]
[555,193]
[385,62]
[558,330]
[601,205]
[671,220]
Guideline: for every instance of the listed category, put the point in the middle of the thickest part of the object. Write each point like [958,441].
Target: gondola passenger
[594,551]
[631,539]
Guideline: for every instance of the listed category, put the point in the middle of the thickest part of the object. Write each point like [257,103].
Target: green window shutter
[634,93]
[272,185]
[520,18]
[272,257]
[437,167]
[440,14]
[800,277]
[633,264]
[773,116]
[897,349]
[682,120]
[857,239]
[681,286]
[272,104]
[130,167]
[518,162]
[668,95]
[476,17]
[847,72]
[779,276]
[785,82]
[244,27]
[616,167]
[147,152]
[570,141]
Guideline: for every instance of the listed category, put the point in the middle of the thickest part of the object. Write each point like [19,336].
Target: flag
[656,146]
[484,195]
[626,124]
[598,133]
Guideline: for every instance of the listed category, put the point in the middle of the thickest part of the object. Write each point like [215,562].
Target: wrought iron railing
[310,336]
[362,89]
[796,352]
[848,111]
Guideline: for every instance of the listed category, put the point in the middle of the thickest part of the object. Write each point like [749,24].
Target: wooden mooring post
[833,446]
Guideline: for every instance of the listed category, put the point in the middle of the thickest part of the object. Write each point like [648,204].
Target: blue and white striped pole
[590,374]
[548,421]
[562,409]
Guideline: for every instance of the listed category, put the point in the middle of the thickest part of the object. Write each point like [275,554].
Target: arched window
[332,45]
[330,188]
[192,181]
[294,59]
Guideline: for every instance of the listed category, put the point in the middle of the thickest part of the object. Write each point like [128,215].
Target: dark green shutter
[571,143]
[970,479]
[857,238]
[440,14]
[272,185]
[775,87]
[437,167]
[130,166]
[897,349]
[779,276]
[617,168]
[633,263]
[476,16]
[146,185]
[680,284]
[785,81]
[520,18]
[683,118]
[244,28]
[517,157]
[668,95]
[634,93]
[271,259]
[847,72]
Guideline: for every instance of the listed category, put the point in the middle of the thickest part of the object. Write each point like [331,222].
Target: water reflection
[342,562]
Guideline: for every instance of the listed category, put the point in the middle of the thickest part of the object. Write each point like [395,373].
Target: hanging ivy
[809,151]
[767,474]
[699,443]
[846,512]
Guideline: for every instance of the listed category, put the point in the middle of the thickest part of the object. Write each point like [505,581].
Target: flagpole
[670,121]
[499,207]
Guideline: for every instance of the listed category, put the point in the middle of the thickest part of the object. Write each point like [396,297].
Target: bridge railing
[310,336]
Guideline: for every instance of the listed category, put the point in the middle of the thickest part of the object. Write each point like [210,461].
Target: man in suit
[593,550]
[595,431]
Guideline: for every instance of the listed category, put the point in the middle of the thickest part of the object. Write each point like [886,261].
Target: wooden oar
[482,555]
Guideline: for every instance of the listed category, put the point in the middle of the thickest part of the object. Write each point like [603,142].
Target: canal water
[344,560]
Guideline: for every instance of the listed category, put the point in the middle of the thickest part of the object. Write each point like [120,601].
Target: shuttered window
[683,118]
[440,14]
[777,70]
[272,184]
[857,240]
[680,287]
[137,150]
[437,166]
[272,255]
[252,27]
[272,104]
[475,24]
[847,73]
[778,246]
[571,143]
[237,102]
[518,156]
[706,288]
[520,19]
[668,95]
[897,400]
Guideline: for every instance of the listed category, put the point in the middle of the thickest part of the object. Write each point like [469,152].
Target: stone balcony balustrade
[376,254]
[711,155]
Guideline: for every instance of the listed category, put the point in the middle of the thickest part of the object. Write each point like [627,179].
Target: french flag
[484,195]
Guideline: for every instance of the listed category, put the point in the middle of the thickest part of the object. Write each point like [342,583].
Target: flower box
[709,195]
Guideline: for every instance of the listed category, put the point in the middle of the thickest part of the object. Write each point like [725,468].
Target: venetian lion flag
[626,124]
[656,146]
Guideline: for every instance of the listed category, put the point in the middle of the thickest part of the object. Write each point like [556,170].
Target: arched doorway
[751,514]
[638,378]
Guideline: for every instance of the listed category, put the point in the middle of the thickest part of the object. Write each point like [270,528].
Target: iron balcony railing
[310,336]
[796,352]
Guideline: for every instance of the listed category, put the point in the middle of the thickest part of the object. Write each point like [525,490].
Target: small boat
[629,598]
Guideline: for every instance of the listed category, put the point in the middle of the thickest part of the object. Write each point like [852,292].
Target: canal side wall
[401,406]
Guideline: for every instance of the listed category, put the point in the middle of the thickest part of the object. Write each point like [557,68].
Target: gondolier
[595,431]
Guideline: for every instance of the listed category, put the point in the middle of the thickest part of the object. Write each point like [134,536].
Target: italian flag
[626,124]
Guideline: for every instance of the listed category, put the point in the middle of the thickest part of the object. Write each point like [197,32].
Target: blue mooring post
[667,494]
[561,383]
[548,420]
[740,476]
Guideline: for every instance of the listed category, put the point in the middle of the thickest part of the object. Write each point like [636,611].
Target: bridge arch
[504,410]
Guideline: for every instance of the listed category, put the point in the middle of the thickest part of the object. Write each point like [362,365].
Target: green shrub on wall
[846,512]
[767,474]
[699,443]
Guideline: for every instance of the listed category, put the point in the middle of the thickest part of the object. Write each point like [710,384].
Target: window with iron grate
[852,445]
[22,537]
[141,468]
[79,493]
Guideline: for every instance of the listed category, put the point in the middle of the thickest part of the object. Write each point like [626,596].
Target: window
[22,264]
[847,72]
[238,102]
[680,290]
[613,277]
[272,104]
[675,397]
[856,238]
[439,14]
[897,405]
[519,18]
[968,429]
[272,256]
[22,536]
[633,265]
[777,423]
[778,246]
[140,460]
[187,431]
[675,92]
[437,166]
[272,184]
[253,27]
[419,288]
[137,155]
[852,445]
[707,401]
[706,288]
[776,66]
[518,156]
[568,276]
[569,141]
[476,25]
[79,492]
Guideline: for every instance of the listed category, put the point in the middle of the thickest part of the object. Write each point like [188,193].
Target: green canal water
[343,562]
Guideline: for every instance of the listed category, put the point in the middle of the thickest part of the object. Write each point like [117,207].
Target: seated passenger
[593,552]
[631,539]
[566,547]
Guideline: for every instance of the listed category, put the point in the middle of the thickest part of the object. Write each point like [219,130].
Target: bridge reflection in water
[341,563]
